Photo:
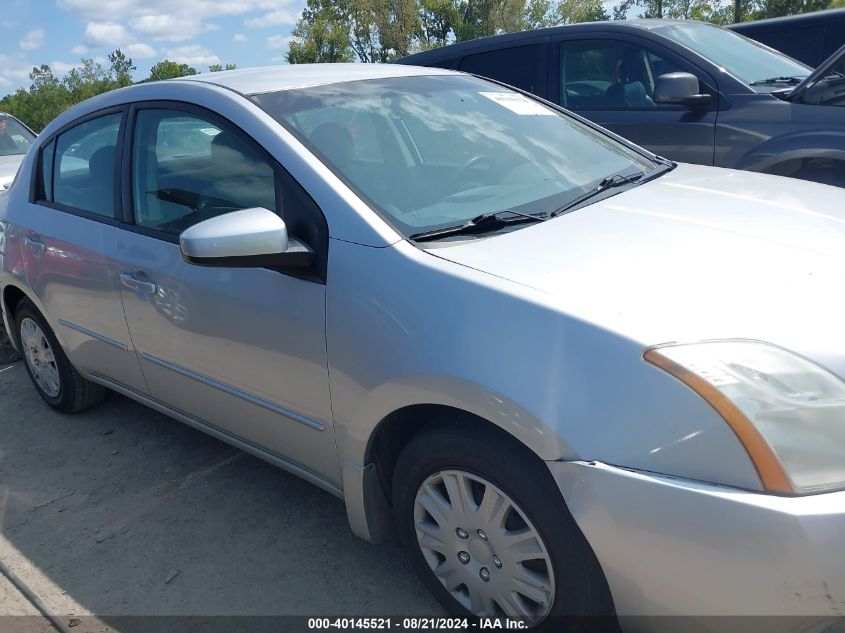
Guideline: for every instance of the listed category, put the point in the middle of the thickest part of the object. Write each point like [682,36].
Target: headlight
[788,412]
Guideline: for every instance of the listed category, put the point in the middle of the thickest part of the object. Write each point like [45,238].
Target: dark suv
[690,91]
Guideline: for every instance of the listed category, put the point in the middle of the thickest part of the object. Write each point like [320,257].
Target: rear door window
[84,166]
[517,66]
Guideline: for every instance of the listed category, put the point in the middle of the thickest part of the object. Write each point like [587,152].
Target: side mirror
[250,238]
[679,89]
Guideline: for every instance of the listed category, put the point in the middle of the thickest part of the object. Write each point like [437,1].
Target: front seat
[239,179]
[630,91]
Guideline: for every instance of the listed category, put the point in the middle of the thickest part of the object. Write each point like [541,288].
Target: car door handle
[128,280]
[35,244]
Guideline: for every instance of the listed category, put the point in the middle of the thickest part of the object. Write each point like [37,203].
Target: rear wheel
[490,535]
[55,379]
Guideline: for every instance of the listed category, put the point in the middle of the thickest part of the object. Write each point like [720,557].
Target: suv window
[83,170]
[516,66]
[186,169]
[609,74]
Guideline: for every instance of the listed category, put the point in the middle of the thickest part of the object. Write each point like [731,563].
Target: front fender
[407,328]
[827,144]
[456,393]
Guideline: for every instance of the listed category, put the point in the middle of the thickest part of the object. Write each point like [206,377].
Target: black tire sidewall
[580,587]
[64,400]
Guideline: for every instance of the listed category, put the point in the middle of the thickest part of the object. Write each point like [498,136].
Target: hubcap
[39,358]
[483,548]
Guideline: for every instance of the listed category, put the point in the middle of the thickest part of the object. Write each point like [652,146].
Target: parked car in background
[15,140]
[690,91]
[808,37]
[572,377]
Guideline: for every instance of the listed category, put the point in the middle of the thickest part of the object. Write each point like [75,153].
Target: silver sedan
[572,377]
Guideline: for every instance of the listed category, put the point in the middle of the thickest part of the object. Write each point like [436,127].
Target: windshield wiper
[484,223]
[606,183]
[793,81]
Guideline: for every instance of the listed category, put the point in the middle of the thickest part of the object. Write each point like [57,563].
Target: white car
[572,377]
[15,140]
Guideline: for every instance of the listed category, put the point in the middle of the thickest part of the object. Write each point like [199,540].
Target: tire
[8,354]
[450,459]
[55,379]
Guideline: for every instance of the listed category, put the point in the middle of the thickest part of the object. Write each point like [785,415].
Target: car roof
[524,37]
[289,77]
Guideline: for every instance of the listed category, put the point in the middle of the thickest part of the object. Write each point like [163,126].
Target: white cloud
[193,55]
[121,22]
[14,72]
[105,34]
[278,41]
[32,40]
[173,28]
[79,50]
[202,9]
[274,18]
[139,50]
[62,68]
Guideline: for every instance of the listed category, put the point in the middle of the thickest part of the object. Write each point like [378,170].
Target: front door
[241,350]
[610,80]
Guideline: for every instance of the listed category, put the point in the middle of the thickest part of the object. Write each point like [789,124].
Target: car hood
[9,168]
[699,253]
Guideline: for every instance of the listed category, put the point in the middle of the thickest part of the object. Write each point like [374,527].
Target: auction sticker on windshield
[518,103]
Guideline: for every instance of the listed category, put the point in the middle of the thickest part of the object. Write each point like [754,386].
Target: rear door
[67,229]
[610,79]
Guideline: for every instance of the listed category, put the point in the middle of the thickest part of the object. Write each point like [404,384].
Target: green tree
[322,34]
[48,96]
[777,8]
[572,11]
[168,69]
[438,19]
[120,69]
[216,68]
[836,4]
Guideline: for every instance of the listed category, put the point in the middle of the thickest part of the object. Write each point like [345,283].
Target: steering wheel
[473,164]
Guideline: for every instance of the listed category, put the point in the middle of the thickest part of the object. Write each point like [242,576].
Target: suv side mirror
[679,89]
[250,238]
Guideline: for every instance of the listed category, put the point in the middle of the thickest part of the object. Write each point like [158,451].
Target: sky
[195,32]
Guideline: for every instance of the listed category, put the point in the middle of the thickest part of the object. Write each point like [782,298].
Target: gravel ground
[121,511]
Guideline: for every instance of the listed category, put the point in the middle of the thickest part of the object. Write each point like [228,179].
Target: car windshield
[742,57]
[433,151]
[15,138]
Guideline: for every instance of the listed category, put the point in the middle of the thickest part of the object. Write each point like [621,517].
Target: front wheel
[491,537]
